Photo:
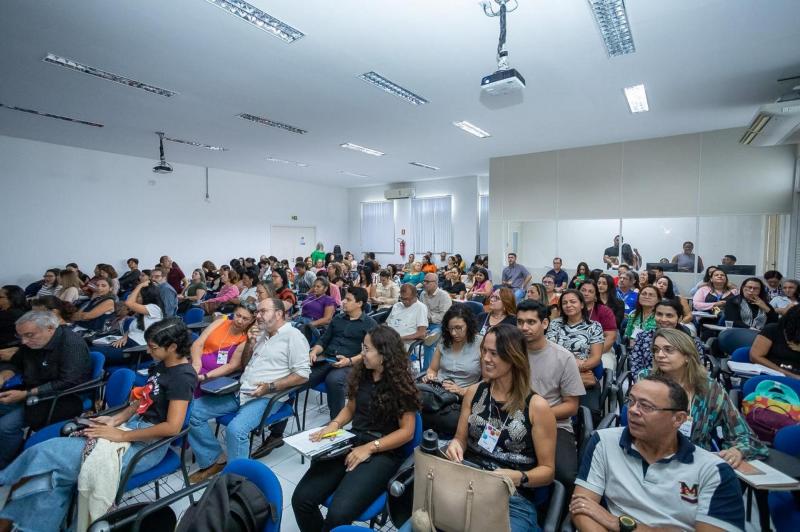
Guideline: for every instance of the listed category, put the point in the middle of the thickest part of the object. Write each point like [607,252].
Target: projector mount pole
[502,53]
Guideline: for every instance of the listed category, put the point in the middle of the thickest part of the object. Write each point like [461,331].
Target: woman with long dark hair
[382,404]
[99,310]
[13,305]
[667,290]
[157,410]
[750,309]
[524,450]
[581,273]
[644,317]
[607,295]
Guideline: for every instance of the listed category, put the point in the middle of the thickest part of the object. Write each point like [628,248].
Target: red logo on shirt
[689,494]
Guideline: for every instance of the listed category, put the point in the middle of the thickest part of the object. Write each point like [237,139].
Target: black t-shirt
[483,322]
[613,251]
[365,425]
[454,288]
[176,383]
[8,329]
[780,353]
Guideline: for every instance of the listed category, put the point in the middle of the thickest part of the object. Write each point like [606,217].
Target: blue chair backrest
[98,359]
[263,477]
[118,387]
[408,448]
[193,315]
[741,354]
[750,384]
[598,371]
[732,339]
[127,324]
[623,416]
[474,306]
[788,440]
[195,336]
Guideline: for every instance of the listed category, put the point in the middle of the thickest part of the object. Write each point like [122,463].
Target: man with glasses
[275,360]
[339,348]
[438,302]
[626,292]
[51,358]
[650,475]
[409,317]
[169,297]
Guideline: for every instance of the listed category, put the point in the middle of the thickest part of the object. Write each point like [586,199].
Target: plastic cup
[728,324]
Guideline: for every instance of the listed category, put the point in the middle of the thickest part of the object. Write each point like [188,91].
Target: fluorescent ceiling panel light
[362,149]
[285,161]
[472,129]
[637,98]
[272,123]
[92,71]
[345,172]
[392,88]
[259,19]
[48,115]
[423,165]
[615,29]
[196,144]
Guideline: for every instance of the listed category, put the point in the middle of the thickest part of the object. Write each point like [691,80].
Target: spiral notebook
[300,443]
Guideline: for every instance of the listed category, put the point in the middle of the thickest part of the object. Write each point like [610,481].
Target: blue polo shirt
[561,277]
[629,299]
[691,486]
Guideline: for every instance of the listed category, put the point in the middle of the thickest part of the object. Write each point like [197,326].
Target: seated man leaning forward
[273,362]
[651,476]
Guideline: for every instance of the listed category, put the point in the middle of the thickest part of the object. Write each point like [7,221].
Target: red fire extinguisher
[402,247]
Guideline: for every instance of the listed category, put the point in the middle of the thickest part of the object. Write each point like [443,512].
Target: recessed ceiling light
[392,88]
[285,161]
[272,123]
[615,29]
[472,129]
[637,98]
[362,149]
[48,115]
[354,174]
[92,71]
[423,165]
[259,19]
[196,144]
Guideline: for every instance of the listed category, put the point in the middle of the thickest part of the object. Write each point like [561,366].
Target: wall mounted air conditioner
[398,193]
[779,122]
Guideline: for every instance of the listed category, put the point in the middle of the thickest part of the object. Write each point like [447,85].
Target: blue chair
[378,507]
[117,392]
[474,306]
[784,510]
[171,462]
[193,315]
[322,388]
[263,477]
[732,339]
[741,354]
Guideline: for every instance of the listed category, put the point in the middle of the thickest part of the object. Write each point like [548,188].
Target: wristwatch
[271,388]
[524,480]
[377,445]
[627,523]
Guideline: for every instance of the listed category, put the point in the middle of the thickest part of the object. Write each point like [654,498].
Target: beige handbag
[453,497]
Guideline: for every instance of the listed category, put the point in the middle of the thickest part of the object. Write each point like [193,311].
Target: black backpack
[231,503]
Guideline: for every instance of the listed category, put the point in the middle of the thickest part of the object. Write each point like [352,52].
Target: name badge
[222,357]
[489,438]
[686,428]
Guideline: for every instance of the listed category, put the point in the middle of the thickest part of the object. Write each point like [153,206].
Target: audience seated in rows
[43,478]
[52,358]
[273,361]
[637,471]
[339,348]
[382,404]
[502,308]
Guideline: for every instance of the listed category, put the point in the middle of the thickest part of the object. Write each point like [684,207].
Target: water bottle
[430,442]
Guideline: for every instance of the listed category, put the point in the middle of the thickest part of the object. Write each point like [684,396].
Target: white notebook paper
[310,449]
[746,368]
[759,474]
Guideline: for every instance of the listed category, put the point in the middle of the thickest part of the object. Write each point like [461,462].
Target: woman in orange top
[427,265]
[214,353]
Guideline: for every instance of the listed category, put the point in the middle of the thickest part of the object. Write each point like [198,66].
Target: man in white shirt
[409,317]
[438,302]
[273,362]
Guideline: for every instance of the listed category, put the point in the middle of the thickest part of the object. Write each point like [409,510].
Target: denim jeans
[205,445]
[53,466]
[12,421]
[519,293]
[428,350]
[521,514]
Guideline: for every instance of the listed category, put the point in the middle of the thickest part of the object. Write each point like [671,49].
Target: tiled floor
[285,463]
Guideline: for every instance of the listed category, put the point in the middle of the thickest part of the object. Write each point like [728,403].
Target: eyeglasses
[494,298]
[667,349]
[647,408]
[456,328]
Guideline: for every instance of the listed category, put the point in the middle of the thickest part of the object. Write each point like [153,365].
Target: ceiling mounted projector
[505,79]
[163,167]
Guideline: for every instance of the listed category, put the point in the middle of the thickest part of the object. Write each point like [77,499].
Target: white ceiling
[707,64]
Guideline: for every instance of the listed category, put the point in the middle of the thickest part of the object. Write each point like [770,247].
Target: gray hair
[44,319]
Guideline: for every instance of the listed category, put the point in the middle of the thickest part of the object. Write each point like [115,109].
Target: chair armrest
[55,396]
[272,400]
[126,475]
[608,421]
[553,516]
[414,346]
[404,478]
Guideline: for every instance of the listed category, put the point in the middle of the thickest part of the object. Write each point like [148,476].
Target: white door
[289,242]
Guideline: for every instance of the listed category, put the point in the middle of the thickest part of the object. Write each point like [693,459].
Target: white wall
[703,187]
[464,191]
[63,204]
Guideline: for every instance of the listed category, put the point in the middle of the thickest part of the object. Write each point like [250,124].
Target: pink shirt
[226,293]
[699,300]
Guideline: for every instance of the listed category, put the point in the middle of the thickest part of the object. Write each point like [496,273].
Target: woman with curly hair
[382,404]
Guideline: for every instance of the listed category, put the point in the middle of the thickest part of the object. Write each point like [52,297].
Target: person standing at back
[516,276]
